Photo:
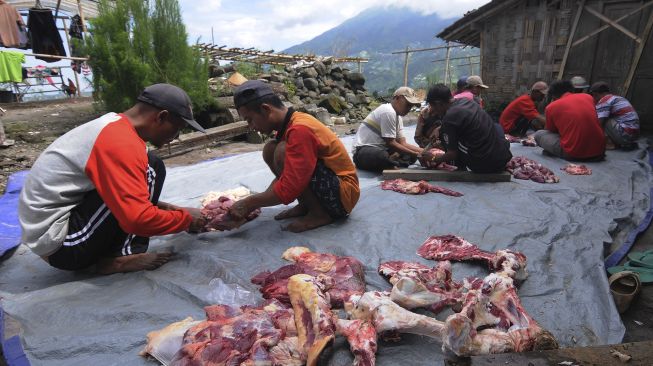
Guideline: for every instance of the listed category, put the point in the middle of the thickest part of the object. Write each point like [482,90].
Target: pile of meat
[347,272]
[523,168]
[215,208]
[526,141]
[438,166]
[421,187]
[529,141]
[297,323]
[577,169]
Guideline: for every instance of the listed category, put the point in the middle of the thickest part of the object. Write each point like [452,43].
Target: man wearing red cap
[92,197]
[521,114]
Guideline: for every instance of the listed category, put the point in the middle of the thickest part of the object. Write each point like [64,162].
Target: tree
[135,44]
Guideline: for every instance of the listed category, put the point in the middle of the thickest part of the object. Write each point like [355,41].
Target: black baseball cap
[600,87]
[250,91]
[173,99]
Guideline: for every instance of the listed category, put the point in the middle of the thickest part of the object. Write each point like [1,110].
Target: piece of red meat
[524,168]
[245,335]
[512,139]
[439,166]
[313,316]
[216,214]
[347,273]
[361,336]
[421,187]
[577,169]
[455,248]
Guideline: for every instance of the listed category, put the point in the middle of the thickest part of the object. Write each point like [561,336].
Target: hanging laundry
[76,32]
[86,70]
[76,28]
[43,33]
[11,69]
[42,73]
[12,29]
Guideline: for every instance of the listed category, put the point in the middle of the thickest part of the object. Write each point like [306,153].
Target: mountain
[377,32]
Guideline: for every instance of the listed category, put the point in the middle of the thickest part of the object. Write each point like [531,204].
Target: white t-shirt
[389,122]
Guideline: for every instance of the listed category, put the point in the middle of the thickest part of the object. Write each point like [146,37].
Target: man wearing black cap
[309,161]
[92,197]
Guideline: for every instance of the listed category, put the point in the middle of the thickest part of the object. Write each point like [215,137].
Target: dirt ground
[34,126]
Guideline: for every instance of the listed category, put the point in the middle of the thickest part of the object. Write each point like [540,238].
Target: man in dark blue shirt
[469,136]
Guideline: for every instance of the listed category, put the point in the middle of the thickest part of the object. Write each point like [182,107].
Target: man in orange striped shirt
[92,197]
[309,161]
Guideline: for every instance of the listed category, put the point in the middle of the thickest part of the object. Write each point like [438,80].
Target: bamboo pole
[570,40]
[638,53]
[456,58]
[613,24]
[81,15]
[70,51]
[427,49]
[606,26]
[446,65]
[56,11]
[406,67]
[57,56]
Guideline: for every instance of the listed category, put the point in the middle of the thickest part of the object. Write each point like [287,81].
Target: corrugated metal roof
[89,7]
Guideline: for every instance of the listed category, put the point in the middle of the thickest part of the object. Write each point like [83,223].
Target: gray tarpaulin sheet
[81,319]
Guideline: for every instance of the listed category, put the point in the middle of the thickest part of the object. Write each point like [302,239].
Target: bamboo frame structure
[221,53]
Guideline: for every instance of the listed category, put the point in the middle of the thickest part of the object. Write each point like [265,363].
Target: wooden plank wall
[523,45]
[527,42]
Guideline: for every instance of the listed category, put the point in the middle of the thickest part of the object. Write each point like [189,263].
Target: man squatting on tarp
[309,161]
[92,197]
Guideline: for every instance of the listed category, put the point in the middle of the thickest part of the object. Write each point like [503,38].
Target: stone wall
[331,93]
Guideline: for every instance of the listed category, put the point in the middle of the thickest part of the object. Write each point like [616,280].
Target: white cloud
[265,24]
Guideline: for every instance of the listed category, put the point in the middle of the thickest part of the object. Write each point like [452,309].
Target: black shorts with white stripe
[94,233]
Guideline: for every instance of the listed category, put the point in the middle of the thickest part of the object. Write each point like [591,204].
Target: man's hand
[198,222]
[229,223]
[239,210]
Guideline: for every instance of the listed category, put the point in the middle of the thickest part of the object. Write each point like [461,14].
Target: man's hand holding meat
[198,222]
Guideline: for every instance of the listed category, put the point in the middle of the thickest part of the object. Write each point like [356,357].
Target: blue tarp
[9,227]
[79,318]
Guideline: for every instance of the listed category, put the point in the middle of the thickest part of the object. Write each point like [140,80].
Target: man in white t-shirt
[380,141]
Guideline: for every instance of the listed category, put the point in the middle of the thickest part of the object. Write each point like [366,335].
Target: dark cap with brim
[173,99]
[250,91]
[600,87]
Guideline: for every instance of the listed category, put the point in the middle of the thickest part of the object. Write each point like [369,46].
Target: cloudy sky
[277,25]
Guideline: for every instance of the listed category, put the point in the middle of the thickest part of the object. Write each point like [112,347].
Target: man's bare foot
[296,211]
[133,263]
[308,222]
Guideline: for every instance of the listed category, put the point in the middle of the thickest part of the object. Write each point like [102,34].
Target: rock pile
[331,93]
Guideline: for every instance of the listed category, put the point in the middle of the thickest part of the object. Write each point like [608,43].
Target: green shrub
[136,43]
[290,87]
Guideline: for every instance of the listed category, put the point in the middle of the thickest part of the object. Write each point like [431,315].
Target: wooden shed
[523,41]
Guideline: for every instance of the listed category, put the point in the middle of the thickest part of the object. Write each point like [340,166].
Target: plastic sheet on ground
[9,226]
[82,319]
